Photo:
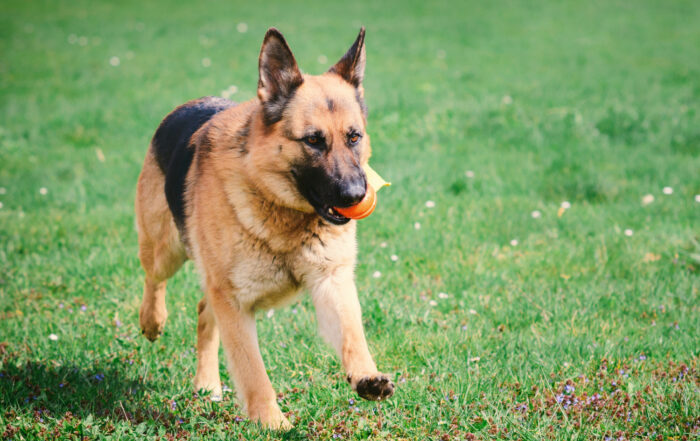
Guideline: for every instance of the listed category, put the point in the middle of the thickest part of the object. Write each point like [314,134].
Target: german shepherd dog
[246,191]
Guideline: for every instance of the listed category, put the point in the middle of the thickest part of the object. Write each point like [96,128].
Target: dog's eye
[353,138]
[314,141]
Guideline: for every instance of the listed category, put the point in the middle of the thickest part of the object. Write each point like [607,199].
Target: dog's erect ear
[352,66]
[279,75]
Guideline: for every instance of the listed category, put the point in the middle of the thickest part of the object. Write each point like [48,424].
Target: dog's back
[173,151]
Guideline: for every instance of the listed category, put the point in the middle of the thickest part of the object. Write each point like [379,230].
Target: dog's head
[315,138]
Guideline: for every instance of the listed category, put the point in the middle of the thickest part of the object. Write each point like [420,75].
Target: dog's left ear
[279,75]
[352,66]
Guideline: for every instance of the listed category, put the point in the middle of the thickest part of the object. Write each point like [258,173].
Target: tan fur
[160,250]
[257,242]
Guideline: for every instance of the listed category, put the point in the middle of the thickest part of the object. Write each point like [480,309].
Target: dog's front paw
[269,416]
[211,385]
[374,387]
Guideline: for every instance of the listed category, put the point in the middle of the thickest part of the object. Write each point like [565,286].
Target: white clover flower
[53,337]
[668,190]
[469,174]
[536,214]
[43,191]
[416,225]
[432,303]
[114,61]
[430,204]
[443,295]
[394,258]
[377,274]
[566,205]
[514,242]
[628,232]
[647,199]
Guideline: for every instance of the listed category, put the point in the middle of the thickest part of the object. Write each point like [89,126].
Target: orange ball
[363,208]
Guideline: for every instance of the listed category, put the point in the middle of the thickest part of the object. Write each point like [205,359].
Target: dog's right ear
[279,76]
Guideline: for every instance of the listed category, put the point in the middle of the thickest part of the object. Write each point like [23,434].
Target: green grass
[595,103]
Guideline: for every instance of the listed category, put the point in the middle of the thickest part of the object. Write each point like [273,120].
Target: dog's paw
[269,416]
[152,322]
[285,425]
[375,387]
[210,384]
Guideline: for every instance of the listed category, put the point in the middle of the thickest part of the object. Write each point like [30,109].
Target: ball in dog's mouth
[363,208]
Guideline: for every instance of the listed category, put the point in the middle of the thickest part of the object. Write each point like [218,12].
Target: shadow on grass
[67,392]
[60,389]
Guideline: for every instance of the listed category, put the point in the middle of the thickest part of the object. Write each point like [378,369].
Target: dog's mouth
[325,210]
[331,215]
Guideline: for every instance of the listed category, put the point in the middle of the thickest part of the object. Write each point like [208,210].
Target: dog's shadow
[51,390]
[58,389]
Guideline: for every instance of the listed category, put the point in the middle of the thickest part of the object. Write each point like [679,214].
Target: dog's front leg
[240,340]
[340,322]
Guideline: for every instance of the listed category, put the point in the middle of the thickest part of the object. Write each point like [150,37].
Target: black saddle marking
[174,151]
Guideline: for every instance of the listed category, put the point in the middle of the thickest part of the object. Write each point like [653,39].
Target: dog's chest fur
[267,278]
[268,253]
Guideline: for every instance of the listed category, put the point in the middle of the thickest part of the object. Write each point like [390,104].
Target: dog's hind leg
[160,249]
[207,376]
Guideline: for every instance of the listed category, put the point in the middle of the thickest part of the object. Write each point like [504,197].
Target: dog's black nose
[352,191]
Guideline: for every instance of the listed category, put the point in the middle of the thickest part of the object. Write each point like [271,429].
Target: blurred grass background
[488,315]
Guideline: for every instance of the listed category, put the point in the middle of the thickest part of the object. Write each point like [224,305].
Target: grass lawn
[500,312]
